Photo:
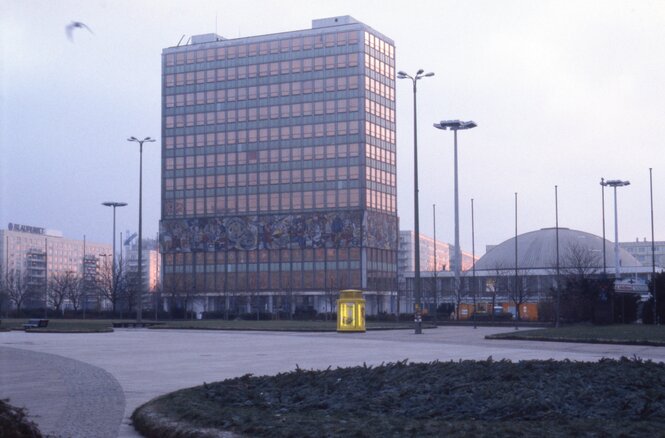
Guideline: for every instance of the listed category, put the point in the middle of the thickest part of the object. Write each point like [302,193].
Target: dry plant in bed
[468,398]
[14,423]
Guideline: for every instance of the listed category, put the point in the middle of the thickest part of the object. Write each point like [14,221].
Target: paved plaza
[82,385]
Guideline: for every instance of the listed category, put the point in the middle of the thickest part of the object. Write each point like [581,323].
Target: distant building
[39,254]
[279,169]
[642,251]
[441,260]
[444,259]
[151,263]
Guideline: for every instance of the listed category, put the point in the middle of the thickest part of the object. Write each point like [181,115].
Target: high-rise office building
[37,256]
[278,166]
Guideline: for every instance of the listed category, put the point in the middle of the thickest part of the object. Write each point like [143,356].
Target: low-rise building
[643,251]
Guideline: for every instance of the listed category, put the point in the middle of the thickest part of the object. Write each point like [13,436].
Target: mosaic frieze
[325,230]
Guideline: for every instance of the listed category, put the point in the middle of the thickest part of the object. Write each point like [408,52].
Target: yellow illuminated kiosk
[351,311]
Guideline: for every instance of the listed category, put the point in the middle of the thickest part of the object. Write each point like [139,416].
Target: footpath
[65,397]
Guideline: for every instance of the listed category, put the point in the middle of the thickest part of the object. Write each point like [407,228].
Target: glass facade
[278,162]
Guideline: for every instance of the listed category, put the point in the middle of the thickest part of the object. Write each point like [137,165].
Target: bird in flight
[69,29]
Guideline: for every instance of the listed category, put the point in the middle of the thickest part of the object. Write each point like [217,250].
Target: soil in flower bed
[468,398]
[15,424]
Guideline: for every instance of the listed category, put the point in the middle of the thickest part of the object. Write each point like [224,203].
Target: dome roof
[537,249]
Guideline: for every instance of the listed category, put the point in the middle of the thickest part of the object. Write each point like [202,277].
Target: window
[221,96]
[307,199]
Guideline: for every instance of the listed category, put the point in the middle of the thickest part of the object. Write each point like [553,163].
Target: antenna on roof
[183,36]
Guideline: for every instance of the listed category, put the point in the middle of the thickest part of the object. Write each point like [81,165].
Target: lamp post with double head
[139,298]
[416,283]
[614,183]
[456,125]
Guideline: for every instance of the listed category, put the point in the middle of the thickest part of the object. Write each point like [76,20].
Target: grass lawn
[609,398]
[106,325]
[633,334]
[281,325]
[63,325]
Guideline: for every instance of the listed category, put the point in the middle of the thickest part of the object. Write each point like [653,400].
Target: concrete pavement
[147,363]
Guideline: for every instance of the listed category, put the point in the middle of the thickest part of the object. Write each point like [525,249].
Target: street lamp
[602,189]
[139,303]
[615,183]
[456,125]
[416,284]
[653,254]
[114,205]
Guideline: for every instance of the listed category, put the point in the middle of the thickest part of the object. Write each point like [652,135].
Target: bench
[36,323]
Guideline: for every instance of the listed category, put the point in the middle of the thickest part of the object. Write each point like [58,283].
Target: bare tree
[175,289]
[495,285]
[60,288]
[517,288]
[579,261]
[581,291]
[4,298]
[17,288]
[112,284]
[331,292]
[75,292]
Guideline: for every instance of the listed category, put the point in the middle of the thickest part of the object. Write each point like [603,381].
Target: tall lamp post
[558,271]
[602,189]
[436,294]
[456,125]
[653,254]
[416,284]
[614,183]
[114,205]
[139,303]
[473,256]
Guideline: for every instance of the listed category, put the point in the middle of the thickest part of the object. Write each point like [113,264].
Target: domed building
[538,250]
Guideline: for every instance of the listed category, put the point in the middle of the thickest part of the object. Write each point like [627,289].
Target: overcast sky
[563,92]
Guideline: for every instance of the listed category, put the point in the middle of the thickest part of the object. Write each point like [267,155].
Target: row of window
[234,50]
[285,155]
[265,178]
[265,267]
[276,202]
[342,128]
[37,249]
[380,89]
[268,281]
[279,89]
[239,176]
[305,131]
[276,269]
[207,143]
[233,157]
[241,115]
[241,93]
[263,111]
[381,46]
[262,255]
[239,190]
[290,67]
